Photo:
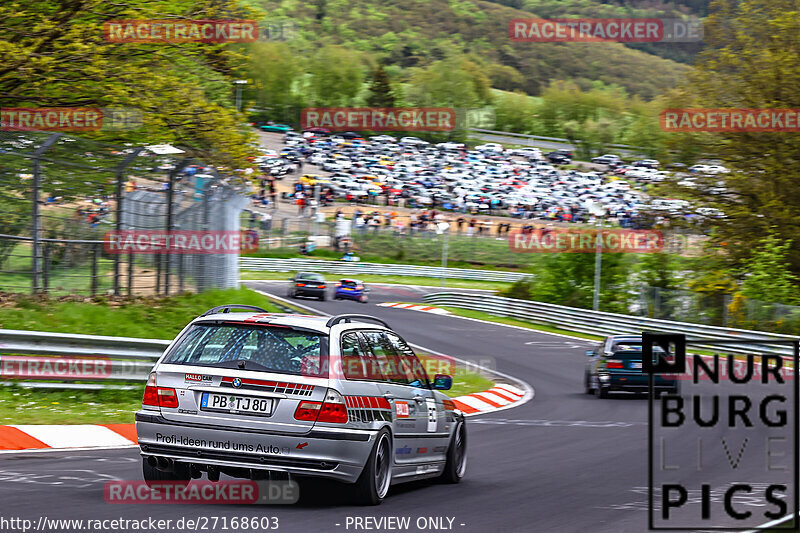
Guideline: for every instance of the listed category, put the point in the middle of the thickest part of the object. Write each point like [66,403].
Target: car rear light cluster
[614,363]
[320,286]
[359,287]
[301,284]
[159,396]
[333,409]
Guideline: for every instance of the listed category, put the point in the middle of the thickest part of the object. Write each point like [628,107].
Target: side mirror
[590,353]
[442,382]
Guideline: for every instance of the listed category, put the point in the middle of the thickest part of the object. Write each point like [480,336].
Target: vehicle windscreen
[630,350]
[311,277]
[349,284]
[258,348]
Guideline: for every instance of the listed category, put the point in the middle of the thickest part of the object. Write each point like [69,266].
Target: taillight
[338,285]
[320,286]
[167,397]
[359,287]
[614,363]
[332,410]
[301,284]
[150,391]
[308,411]
[158,396]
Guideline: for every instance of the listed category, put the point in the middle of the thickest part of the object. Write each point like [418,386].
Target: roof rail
[351,317]
[227,309]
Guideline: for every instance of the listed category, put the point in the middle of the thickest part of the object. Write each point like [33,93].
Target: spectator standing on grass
[300,200]
[266,222]
[471,227]
[360,224]
[431,228]
[399,227]
[374,223]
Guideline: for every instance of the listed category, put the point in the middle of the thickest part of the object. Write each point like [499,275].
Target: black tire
[587,384]
[322,297]
[153,475]
[601,392]
[456,465]
[374,481]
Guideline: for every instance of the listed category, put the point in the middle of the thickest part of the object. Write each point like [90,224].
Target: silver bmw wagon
[253,394]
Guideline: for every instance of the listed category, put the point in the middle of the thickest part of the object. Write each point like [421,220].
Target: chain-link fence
[727,310]
[74,212]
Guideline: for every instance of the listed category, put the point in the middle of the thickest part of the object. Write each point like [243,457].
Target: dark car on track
[307,284]
[351,289]
[559,157]
[615,365]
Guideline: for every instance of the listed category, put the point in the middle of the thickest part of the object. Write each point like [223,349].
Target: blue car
[351,289]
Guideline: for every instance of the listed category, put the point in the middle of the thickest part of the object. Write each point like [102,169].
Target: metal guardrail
[600,323]
[355,268]
[543,138]
[60,360]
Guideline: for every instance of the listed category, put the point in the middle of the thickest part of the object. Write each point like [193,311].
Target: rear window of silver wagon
[275,349]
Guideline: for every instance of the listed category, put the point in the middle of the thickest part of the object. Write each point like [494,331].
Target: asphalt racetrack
[564,461]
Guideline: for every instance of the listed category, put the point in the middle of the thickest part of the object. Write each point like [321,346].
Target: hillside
[411,33]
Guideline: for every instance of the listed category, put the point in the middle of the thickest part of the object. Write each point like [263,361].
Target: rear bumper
[335,454]
[302,291]
[350,295]
[636,382]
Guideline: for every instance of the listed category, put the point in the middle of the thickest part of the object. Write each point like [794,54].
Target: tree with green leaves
[53,53]
[767,273]
[336,75]
[380,90]
[751,62]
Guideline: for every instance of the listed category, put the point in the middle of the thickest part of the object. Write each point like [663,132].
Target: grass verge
[148,317]
[451,283]
[42,406]
[155,318]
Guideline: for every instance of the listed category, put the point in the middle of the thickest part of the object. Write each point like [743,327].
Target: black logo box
[671,359]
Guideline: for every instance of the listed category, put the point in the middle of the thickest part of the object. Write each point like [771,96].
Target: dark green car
[615,365]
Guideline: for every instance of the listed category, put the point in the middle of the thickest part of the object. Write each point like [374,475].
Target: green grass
[488,253]
[62,279]
[153,318]
[40,406]
[159,318]
[399,280]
